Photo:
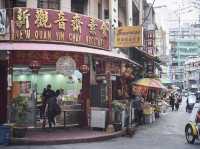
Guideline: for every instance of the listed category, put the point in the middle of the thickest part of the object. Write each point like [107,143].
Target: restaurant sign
[44,25]
[128,36]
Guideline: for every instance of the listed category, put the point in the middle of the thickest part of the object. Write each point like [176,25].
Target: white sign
[98,118]
[2,21]
[66,65]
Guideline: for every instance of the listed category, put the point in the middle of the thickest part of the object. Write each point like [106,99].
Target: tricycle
[192,128]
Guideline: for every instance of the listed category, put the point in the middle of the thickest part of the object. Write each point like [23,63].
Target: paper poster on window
[2,21]
[25,87]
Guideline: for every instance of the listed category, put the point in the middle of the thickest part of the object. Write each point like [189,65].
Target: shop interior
[26,83]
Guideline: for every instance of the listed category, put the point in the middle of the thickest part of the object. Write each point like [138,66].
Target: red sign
[44,25]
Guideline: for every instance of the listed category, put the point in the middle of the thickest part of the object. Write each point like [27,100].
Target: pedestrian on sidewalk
[172,101]
[177,104]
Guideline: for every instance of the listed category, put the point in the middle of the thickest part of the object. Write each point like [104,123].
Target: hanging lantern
[34,66]
[84,69]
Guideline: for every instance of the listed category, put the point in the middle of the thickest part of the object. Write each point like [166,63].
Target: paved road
[166,133]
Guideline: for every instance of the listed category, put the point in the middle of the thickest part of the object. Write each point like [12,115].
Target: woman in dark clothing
[50,106]
[172,102]
[42,109]
[50,110]
[177,104]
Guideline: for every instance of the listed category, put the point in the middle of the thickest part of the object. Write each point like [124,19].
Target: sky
[168,16]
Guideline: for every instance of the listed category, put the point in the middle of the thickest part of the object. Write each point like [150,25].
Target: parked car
[191,100]
[197,96]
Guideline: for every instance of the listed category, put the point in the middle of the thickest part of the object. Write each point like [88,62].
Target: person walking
[177,104]
[172,102]
[50,106]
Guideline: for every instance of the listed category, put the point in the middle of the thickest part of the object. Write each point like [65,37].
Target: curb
[24,141]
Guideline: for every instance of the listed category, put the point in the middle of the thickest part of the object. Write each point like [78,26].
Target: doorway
[3,91]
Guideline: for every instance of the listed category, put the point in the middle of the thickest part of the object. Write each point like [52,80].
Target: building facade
[181,49]
[80,32]
[192,74]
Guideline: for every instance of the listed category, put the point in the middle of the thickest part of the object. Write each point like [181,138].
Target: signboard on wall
[2,21]
[129,36]
[44,25]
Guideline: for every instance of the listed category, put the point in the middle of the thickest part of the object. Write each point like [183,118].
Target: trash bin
[5,135]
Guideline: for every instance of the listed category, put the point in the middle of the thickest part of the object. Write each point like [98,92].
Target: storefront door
[3,91]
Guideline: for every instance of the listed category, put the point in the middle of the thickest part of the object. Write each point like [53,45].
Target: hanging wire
[148,12]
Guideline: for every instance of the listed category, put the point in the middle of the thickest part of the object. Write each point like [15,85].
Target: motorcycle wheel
[189,134]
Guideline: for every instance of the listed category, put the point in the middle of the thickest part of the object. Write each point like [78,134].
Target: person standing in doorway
[50,106]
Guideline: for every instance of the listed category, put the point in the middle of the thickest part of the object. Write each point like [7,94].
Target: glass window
[15,3]
[49,4]
[78,6]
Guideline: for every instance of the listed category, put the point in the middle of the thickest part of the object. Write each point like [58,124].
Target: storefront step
[63,136]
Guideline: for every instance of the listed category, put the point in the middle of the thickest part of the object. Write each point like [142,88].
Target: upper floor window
[15,3]
[49,4]
[78,6]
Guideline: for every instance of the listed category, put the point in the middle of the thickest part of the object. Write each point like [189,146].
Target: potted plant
[117,108]
[21,106]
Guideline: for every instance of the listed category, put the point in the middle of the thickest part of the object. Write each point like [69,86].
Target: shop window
[100,10]
[106,14]
[49,4]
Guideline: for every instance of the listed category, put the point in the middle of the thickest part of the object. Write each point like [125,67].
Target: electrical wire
[148,13]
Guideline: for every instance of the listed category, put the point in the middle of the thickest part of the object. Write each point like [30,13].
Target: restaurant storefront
[70,52]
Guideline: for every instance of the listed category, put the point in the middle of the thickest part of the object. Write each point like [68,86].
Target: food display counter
[70,115]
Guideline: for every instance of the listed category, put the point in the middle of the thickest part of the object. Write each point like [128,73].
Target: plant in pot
[21,106]
[117,108]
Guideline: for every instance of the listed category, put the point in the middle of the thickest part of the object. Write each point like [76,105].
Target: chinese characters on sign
[92,26]
[22,18]
[129,36]
[61,21]
[56,26]
[149,47]
[149,42]
[42,19]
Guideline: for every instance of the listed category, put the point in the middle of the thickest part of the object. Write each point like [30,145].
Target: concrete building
[161,44]
[192,74]
[185,31]
[184,42]
[181,49]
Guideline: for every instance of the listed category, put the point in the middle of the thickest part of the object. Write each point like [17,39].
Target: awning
[150,83]
[60,47]
[145,54]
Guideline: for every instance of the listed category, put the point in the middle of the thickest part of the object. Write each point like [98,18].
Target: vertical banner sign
[149,42]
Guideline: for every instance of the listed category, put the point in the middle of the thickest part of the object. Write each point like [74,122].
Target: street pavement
[165,133]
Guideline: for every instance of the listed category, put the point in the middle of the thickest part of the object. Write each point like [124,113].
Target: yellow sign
[129,36]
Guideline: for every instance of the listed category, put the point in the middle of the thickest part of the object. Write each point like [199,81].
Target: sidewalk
[64,136]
